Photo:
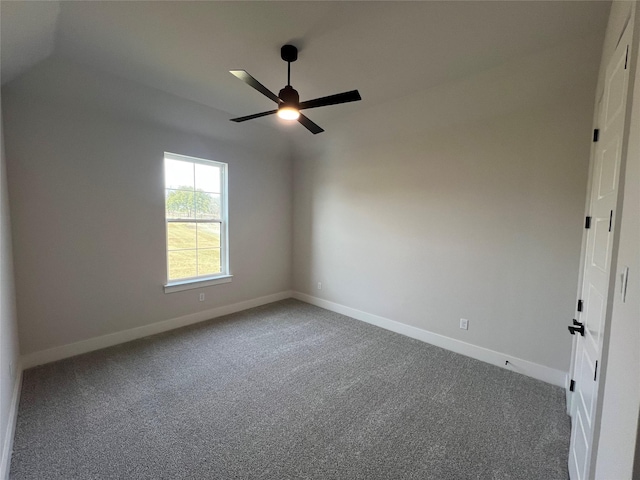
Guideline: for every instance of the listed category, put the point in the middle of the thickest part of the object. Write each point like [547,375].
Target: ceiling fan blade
[352,96]
[255,115]
[252,82]
[309,125]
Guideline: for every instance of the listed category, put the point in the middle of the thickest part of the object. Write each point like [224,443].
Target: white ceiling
[384,49]
[27,35]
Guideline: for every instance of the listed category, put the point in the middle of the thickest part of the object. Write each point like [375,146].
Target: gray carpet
[286,391]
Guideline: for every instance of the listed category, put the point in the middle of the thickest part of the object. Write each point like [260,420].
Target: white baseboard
[5,459]
[525,367]
[96,343]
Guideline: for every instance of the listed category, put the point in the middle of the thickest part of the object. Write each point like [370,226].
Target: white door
[597,269]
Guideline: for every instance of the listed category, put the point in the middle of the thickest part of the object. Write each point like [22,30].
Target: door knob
[579,327]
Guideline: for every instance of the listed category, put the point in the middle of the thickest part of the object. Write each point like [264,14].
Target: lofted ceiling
[386,50]
[26,35]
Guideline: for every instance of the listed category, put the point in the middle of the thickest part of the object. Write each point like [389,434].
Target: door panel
[607,168]
[587,395]
[594,317]
[600,243]
[615,87]
[579,452]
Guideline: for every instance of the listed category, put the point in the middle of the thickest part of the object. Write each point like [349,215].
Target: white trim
[525,367]
[96,343]
[199,283]
[5,460]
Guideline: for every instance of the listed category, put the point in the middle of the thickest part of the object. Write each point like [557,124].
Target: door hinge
[596,134]
[610,219]
[572,385]
[595,373]
[587,222]
[579,305]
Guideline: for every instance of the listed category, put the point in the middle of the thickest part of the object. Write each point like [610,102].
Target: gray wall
[9,352]
[462,201]
[465,200]
[85,168]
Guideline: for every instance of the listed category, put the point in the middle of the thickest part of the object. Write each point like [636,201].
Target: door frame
[626,36]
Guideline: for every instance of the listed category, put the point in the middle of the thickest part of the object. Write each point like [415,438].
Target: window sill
[198,283]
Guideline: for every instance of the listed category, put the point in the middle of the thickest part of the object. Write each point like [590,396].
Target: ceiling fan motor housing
[289,97]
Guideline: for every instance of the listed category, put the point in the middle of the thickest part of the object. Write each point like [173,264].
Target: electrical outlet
[202,297]
[319,285]
[464,324]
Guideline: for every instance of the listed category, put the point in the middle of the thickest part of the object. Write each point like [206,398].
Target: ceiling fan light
[288,113]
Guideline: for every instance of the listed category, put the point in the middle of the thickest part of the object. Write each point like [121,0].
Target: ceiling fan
[288,100]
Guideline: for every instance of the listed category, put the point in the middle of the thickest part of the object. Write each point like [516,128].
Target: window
[196,220]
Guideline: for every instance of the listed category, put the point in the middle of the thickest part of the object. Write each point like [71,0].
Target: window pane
[182,264]
[180,204]
[209,261]
[207,178]
[208,205]
[194,190]
[208,235]
[178,174]
[181,235]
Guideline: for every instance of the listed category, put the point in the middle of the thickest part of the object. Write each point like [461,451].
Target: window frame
[202,280]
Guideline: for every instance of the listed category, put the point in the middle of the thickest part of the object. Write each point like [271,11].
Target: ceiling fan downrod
[289,53]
